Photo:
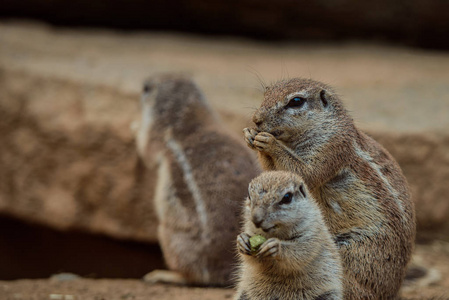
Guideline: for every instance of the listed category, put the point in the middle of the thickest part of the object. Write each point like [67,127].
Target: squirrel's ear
[147,87]
[323,97]
[302,190]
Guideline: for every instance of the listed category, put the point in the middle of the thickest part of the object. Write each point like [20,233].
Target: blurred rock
[64,277]
[68,158]
[69,161]
[67,99]
[424,159]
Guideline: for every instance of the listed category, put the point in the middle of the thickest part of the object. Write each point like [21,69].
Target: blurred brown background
[73,195]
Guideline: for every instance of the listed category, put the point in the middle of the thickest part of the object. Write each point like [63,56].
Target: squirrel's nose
[257,222]
[257,118]
[257,219]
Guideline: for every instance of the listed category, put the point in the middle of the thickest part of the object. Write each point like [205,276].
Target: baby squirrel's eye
[287,199]
[296,102]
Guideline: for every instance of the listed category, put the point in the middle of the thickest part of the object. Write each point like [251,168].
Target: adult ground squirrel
[303,127]
[299,260]
[202,176]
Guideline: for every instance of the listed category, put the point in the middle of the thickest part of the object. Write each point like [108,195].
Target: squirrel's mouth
[269,228]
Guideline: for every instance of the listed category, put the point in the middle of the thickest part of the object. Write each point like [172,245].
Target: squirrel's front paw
[243,244]
[265,142]
[270,248]
[249,135]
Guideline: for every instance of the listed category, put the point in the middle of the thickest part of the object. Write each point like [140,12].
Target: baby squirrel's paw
[265,142]
[271,248]
[249,135]
[243,244]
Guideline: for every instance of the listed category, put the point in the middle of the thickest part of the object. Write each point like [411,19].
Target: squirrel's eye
[296,102]
[286,199]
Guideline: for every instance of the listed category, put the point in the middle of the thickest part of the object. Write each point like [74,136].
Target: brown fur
[299,260]
[359,186]
[203,172]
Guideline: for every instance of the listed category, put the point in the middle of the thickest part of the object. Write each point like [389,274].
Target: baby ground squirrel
[299,260]
[202,177]
[303,127]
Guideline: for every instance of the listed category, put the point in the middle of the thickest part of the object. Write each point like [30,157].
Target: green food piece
[256,241]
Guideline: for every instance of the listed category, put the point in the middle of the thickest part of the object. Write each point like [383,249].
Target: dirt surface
[67,99]
[102,289]
[434,255]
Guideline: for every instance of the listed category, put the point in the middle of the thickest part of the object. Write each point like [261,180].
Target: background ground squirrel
[203,173]
[303,127]
[300,259]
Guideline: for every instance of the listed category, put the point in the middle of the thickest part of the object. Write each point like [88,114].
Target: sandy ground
[434,255]
[228,70]
[102,289]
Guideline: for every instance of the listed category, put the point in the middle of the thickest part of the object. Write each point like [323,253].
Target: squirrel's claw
[243,244]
